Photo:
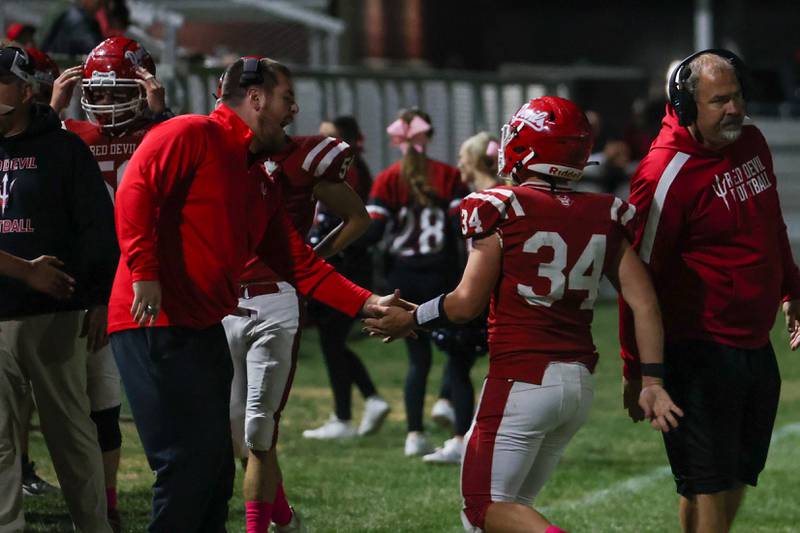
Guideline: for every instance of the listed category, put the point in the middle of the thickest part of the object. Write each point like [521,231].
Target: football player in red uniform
[264,343]
[414,200]
[539,250]
[122,100]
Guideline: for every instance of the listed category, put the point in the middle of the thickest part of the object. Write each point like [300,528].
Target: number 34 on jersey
[556,244]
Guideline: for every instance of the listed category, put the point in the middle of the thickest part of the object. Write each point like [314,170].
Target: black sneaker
[33,485]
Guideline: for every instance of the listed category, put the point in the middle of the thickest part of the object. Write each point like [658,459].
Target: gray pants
[42,349]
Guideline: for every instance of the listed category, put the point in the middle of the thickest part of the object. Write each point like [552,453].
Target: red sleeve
[168,155]
[381,204]
[659,219]
[481,212]
[285,252]
[327,159]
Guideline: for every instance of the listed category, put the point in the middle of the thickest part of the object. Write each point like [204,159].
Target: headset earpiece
[251,72]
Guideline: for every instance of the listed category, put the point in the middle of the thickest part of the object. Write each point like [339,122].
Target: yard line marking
[636,483]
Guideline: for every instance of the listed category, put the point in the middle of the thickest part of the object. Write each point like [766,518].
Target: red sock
[281,512]
[554,529]
[258,516]
[111,497]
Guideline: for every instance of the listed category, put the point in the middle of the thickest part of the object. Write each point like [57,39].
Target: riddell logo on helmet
[561,172]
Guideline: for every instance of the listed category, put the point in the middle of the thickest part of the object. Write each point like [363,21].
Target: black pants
[730,397]
[345,368]
[456,382]
[419,286]
[178,382]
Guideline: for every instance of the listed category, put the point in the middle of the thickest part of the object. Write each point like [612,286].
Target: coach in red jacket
[709,225]
[190,211]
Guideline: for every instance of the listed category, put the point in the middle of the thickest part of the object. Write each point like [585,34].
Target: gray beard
[730,135]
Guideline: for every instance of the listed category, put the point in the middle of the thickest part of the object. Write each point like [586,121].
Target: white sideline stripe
[313,153]
[323,165]
[654,216]
[636,483]
[515,205]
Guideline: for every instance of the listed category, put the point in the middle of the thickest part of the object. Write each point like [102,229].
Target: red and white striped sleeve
[328,159]
[482,212]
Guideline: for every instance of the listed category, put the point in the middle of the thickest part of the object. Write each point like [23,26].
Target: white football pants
[264,351]
[518,436]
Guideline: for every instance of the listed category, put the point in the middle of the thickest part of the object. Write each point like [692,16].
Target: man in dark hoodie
[52,201]
[710,229]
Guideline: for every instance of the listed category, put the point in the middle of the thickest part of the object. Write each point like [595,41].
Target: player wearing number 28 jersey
[412,207]
[539,250]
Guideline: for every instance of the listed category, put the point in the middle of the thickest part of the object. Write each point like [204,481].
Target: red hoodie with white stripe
[710,229]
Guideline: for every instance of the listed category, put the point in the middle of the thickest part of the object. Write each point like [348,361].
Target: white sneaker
[417,444]
[451,453]
[375,411]
[295,525]
[443,414]
[332,429]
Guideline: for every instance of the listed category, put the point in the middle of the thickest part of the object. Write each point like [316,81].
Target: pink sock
[258,516]
[281,512]
[111,497]
[554,529]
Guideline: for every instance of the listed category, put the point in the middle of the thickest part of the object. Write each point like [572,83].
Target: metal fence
[459,103]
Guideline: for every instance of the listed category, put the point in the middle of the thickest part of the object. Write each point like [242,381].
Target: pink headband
[491,149]
[405,135]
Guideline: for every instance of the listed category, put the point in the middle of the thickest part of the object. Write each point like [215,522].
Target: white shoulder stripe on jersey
[629,214]
[515,205]
[313,153]
[660,196]
[378,210]
[499,204]
[615,205]
[329,157]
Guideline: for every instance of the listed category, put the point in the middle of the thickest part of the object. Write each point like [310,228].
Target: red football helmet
[112,95]
[45,73]
[548,135]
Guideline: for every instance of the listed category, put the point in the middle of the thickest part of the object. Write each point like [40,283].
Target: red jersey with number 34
[556,245]
[112,152]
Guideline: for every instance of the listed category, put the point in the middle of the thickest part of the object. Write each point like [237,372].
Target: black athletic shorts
[729,397]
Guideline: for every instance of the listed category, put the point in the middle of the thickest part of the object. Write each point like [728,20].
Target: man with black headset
[709,227]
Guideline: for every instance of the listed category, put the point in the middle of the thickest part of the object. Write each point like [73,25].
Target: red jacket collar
[242,134]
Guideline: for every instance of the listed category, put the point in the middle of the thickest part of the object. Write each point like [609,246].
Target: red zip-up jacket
[191,210]
[710,229]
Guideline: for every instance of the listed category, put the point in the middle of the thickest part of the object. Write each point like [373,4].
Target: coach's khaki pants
[42,349]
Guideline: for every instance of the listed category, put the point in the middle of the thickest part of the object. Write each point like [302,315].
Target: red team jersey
[112,152]
[297,169]
[419,231]
[555,248]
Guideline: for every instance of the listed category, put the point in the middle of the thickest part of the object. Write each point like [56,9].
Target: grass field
[613,476]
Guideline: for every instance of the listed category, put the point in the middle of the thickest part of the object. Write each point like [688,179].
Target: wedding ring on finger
[150,309]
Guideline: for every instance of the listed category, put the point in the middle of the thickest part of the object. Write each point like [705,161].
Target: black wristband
[431,314]
[653,370]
